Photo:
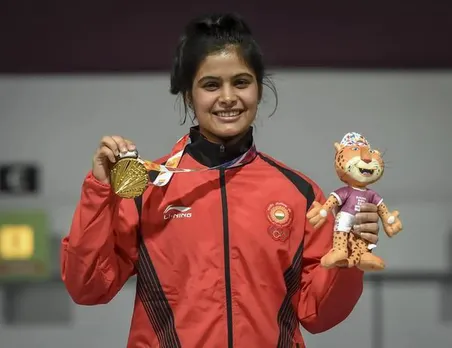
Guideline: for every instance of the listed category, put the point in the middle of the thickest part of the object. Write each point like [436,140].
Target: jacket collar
[212,154]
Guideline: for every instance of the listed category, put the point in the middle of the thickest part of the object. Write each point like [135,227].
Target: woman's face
[225,95]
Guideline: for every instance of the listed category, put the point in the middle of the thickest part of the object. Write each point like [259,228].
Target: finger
[312,213]
[370,237]
[362,218]
[315,219]
[105,151]
[389,230]
[368,207]
[110,143]
[130,145]
[315,207]
[371,227]
[122,145]
[398,227]
[319,224]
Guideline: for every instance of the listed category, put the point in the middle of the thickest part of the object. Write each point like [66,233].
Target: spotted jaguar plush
[358,166]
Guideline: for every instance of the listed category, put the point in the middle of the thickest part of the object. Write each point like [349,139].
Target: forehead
[223,64]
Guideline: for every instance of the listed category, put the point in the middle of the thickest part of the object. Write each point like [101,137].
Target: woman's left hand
[366,223]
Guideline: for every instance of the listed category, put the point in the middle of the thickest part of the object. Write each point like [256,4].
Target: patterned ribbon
[170,167]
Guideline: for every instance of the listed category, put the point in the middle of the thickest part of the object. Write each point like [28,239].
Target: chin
[230,130]
[364,180]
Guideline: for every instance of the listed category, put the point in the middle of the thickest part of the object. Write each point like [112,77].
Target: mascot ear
[337,146]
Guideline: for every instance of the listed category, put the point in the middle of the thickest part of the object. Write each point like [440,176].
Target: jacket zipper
[227,270]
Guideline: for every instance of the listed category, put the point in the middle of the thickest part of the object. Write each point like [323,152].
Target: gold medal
[129,176]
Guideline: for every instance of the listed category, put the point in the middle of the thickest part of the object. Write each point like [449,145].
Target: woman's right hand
[109,148]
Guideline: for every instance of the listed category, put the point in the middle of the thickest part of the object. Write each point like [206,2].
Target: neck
[363,188]
[227,141]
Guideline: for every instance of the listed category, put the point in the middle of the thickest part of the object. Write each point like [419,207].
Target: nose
[227,98]
[365,155]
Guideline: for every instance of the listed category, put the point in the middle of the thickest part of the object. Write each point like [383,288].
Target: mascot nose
[365,155]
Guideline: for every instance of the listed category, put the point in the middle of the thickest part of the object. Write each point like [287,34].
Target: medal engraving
[129,176]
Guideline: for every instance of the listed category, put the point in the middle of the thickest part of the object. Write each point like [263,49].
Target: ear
[337,146]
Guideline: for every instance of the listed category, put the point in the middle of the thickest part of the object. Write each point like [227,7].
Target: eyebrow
[204,78]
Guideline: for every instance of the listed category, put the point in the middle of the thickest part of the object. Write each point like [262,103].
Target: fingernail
[123,149]
[356,227]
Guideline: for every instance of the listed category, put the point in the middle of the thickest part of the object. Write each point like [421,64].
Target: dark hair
[206,35]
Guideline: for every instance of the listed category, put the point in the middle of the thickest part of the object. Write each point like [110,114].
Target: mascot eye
[355,149]
[372,151]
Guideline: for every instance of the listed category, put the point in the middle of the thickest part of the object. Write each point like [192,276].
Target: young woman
[224,257]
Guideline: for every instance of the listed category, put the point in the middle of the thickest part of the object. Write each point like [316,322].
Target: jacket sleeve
[98,255]
[328,296]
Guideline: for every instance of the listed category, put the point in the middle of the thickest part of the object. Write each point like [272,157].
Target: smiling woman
[225,257]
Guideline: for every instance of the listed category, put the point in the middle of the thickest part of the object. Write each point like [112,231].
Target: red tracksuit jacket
[214,266]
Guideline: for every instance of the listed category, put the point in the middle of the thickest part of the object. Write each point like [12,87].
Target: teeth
[228,113]
[368,171]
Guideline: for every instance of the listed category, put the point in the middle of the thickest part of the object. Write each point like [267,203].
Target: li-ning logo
[176,212]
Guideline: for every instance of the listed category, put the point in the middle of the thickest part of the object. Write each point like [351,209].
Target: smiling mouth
[366,172]
[230,113]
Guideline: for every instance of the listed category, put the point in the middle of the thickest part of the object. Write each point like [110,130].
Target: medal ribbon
[170,167]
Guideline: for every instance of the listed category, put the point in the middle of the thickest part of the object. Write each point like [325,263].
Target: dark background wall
[102,35]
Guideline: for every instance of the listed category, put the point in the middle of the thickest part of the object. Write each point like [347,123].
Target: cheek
[378,159]
[250,99]
[203,101]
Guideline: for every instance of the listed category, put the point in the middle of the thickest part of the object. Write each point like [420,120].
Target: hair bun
[219,25]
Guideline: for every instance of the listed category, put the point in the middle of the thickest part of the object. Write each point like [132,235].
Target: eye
[242,83]
[372,151]
[210,86]
[355,149]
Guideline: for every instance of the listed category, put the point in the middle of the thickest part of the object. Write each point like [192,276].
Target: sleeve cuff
[93,186]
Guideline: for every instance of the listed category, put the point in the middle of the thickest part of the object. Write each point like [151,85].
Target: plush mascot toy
[358,166]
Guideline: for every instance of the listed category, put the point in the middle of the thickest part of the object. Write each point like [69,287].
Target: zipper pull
[222,148]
